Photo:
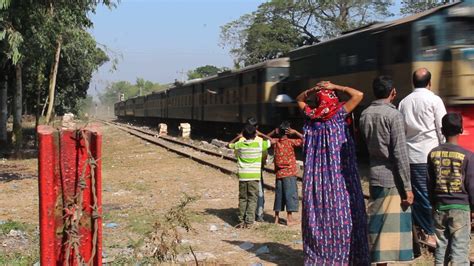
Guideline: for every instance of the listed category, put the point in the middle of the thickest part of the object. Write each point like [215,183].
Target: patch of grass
[142,187]
[124,260]
[197,217]
[276,232]
[12,225]
[141,225]
[163,242]
[18,259]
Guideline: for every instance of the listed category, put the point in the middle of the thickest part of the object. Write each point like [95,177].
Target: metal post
[70,196]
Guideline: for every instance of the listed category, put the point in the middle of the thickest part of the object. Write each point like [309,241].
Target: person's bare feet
[277,220]
[291,223]
[431,240]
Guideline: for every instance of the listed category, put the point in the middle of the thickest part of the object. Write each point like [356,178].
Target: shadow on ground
[277,253]
[13,176]
[229,215]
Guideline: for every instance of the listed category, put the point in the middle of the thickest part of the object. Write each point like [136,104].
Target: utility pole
[181,72]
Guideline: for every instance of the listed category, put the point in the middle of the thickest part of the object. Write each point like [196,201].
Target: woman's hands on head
[326,85]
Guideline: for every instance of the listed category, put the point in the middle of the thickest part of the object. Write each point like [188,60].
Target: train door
[394,57]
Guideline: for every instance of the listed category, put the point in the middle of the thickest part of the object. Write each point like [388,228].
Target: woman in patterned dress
[334,220]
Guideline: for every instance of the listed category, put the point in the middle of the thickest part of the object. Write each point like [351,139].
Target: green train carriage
[440,39]
[229,98]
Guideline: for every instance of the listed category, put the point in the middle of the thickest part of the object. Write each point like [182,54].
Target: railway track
[214,159]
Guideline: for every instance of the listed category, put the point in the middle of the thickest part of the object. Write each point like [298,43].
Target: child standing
[249,152]
[286,190]
[451,191]
[261,197]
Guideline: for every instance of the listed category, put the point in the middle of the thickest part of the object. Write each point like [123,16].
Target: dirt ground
[141,182]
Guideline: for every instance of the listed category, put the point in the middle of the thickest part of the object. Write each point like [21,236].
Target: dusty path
[141,182]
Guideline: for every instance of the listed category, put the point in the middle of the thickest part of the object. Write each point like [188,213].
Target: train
[440,39]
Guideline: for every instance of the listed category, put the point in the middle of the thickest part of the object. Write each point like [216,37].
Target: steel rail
[164,142]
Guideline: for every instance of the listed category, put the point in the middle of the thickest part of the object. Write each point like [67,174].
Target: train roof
[382,26]
[278,62]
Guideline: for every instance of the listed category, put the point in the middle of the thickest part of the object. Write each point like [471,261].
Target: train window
[427,37]
[462,31]
[343,60]
[352,60]
[400,49]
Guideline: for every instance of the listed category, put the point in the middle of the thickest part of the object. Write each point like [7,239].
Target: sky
[160,40]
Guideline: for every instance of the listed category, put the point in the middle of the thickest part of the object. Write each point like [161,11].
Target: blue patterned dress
[334,218]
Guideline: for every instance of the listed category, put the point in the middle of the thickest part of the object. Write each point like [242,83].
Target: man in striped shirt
[248,152]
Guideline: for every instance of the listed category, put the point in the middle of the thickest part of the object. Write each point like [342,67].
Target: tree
[270,36]
[113,91]
[80,58]
[34,36]
[12,40]
[413,7]
[3,108]
[68,19]
[283,25]
[203,71]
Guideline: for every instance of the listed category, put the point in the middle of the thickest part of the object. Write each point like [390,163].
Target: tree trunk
[52,79]
[17,109]
[39,84]
[3,111]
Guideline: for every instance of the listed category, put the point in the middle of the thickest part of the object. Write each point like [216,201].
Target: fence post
[70,196]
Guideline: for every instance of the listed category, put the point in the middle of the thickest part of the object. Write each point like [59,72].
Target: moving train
[440,39]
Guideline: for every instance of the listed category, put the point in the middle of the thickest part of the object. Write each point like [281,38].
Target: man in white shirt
[422,111]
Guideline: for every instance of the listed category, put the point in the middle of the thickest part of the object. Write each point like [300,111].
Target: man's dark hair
[382,86]
[421,81]
[252,121]
[249,131]
[451,124]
